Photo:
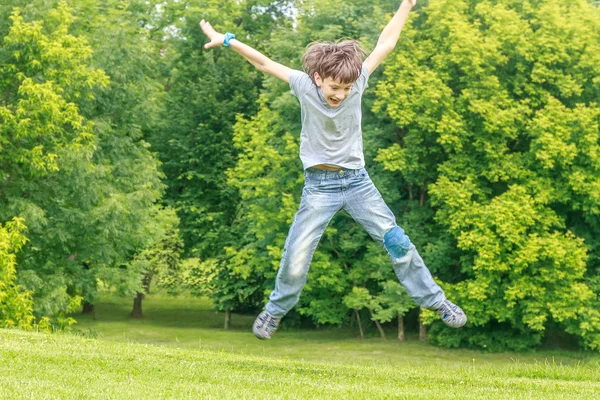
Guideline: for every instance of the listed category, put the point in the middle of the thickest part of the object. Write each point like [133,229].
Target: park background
[133,161]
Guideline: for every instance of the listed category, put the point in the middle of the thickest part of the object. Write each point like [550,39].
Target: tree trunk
[89,308]
[422,329]
[400,328]
[227,319]
[360,329]
[379,328]
[137,306]
[137,302]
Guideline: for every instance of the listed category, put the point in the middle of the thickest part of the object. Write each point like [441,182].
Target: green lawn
[180,351]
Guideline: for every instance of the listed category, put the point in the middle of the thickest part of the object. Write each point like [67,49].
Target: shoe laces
[269,321]
[272,322]
[447,309]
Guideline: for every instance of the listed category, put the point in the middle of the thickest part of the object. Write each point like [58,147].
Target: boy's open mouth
[335,101]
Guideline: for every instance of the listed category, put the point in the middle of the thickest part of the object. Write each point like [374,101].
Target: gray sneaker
[265,325]
[451,314]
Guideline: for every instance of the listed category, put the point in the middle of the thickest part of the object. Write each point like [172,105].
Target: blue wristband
[228,37]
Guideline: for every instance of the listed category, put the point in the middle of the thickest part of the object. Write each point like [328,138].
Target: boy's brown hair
[340,60]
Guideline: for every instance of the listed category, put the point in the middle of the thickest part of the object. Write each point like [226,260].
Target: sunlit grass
[189,322]
[179,350]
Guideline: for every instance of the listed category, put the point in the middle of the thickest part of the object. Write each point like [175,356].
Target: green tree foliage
[498,107]
[266,176]
[16,306]
[81,178]
[123,36]
[127,40]
[205,92]
[481,131]
[360,298]
[44,69]
[392,302]
[160,261]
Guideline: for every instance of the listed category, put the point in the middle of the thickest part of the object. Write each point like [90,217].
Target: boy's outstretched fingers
[216,39]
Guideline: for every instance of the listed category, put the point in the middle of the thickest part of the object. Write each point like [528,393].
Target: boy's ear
[318,79]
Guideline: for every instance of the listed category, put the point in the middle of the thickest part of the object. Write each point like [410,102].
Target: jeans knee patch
[396,242]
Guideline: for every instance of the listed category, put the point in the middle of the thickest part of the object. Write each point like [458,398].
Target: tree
[500,130]
[360,298]
[127,40]
[160,261]
[85,188]
[39,125]
[204,92]
[393,302]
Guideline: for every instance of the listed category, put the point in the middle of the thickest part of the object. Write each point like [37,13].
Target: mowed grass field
[179,350]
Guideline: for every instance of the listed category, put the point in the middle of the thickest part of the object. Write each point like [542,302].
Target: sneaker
[265,325]
[451,314]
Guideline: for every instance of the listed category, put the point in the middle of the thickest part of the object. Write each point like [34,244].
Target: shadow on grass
[161,310]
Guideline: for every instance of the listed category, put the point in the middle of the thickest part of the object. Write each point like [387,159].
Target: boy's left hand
[216,38]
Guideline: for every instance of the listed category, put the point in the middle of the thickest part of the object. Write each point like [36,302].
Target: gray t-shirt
[330,135]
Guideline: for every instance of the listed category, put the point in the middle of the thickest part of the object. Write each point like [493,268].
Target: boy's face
[334,90]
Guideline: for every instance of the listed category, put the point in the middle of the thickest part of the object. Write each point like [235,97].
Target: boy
[331,152]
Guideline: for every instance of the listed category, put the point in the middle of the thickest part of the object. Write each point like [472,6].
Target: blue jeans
[324,194]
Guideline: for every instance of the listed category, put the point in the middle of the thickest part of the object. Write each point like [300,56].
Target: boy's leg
[367,207]
[320,201]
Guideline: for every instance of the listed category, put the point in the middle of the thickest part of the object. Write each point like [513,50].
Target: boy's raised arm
[253,56]
[389,36]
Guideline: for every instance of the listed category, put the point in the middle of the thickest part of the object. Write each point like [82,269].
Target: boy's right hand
[216,38]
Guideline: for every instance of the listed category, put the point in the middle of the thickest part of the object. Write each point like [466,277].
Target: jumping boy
[331,151]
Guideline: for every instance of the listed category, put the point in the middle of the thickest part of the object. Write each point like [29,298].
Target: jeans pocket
[312,182]
[311,185]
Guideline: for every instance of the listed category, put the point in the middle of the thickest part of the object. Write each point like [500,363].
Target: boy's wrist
[227,38]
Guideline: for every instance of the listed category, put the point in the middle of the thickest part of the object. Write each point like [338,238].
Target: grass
[179,350]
